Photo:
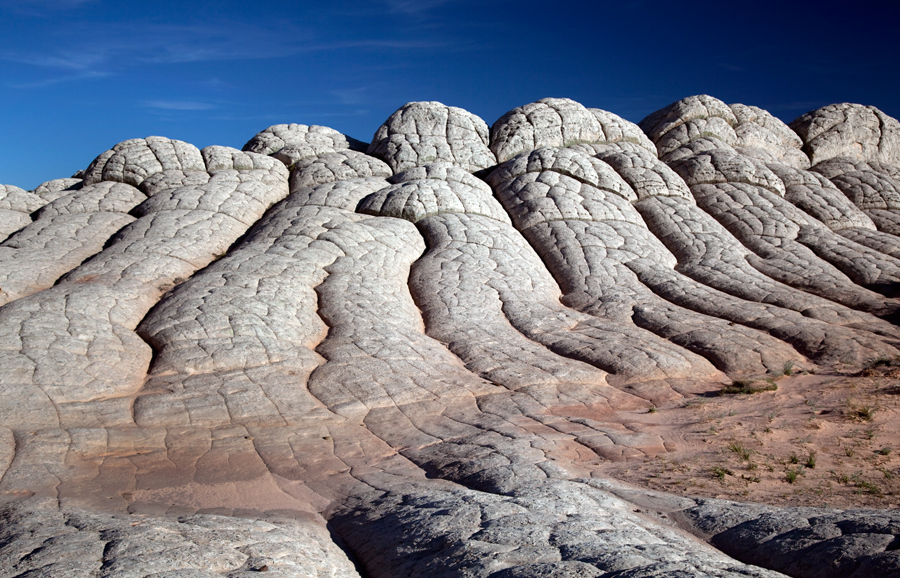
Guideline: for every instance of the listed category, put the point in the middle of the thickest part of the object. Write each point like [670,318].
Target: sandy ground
[827,440]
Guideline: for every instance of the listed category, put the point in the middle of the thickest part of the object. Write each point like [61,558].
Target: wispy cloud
[50,81]
[177,105]
[413,7]
[46,8]
[93,52]
[352,95]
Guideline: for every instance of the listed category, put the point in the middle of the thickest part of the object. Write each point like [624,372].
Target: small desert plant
[720,473]
[740,450]
[790,476]
[652,409]
[747,387]
[884,451]
[794,459]
[788,368]
[868,487]
[811,460]
[860,412]
[870,369]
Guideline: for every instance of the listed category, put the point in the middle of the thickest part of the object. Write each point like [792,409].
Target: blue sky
[78,76]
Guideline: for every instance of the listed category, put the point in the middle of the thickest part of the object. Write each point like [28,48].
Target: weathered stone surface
[291,142]
[422,357]
[218,158]
[701,107]
[133,161]
[755,212]
[57,188]
[415,200]
[561,529]
[16,206]
[849,130]
[764,137]
[71,542]
[559,123]
[604,257]
[421,133]
[802,542]
[332,167]
[66,232]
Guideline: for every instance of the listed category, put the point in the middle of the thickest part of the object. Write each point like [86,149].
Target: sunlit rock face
[321,357]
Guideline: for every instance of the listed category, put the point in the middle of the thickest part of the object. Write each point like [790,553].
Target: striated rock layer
[321,357]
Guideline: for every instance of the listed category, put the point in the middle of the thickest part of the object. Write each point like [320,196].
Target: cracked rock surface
[319,357]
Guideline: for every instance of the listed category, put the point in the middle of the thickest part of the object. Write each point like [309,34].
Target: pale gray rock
[711,169]
[378,356]
[568,162]
[66,232]
[65,340]
[866,188]
[555,529]
[766,224]
[707,252]
[173,179]
[453,216]
[722,166]
[442,171]
[599,257]
[559,123]
[421,133]
[332,167]
[643,172]
[849,130]
[133,161]
[422,198]
[821,199]
[241,195]
[618,130]
[12,221]
[299,141]
[802,542]
[345,194]
[765,137]
[106,197]
[695,147]
[70,542]
[13,198]
[712,127]
[16,206]
[549,122]
[700,107]
[865,266]
[497,264]
[56,188]
[217,158]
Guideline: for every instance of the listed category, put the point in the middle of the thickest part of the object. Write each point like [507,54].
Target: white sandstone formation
[324,358]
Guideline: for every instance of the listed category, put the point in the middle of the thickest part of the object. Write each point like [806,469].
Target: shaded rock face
[318,357]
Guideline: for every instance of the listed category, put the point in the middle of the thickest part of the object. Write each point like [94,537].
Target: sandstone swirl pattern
[321,357]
